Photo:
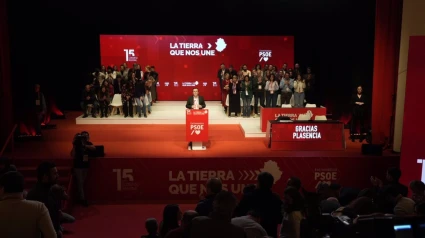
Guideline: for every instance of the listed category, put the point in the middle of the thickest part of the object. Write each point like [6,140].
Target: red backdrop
[413,140]
[164,179]
[180,73]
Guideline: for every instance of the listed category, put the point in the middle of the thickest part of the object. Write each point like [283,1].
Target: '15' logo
[123,174]
[128,54]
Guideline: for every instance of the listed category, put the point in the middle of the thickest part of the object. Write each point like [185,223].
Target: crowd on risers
[132,88]
[268,86]
[259,213]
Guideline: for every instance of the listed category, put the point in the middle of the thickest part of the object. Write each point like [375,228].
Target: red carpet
[115,221]
[148,141]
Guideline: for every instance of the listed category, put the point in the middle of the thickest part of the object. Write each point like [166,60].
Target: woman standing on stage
[272,88]
[358,114]
[299,95]
[234,97]
[225,92]
[246,95]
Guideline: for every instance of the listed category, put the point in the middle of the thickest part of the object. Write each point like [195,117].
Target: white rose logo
[220,45]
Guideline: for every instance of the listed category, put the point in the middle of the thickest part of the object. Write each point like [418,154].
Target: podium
[196,128]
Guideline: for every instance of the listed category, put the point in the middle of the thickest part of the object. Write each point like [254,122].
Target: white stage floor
[165,112]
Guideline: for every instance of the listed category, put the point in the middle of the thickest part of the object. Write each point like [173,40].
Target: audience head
[265,180]
[222,66]
[417,187]
[393,174]
[188,217]
[47,173]
[37,88]
[309,70]
[152,68]
[11,183]
[294,182]
[246,78]
[224,204]
[88,87]
[58,192]
[214,186]
[235,78]
[272,77]
[151,226]
[170,218]
[249,189]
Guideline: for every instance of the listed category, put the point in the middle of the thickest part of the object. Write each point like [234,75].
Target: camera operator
[80,153]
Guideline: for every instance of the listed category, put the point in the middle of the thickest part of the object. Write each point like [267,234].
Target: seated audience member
[205,206]
[402,206]
[20,218]
[393,177]
[294,182]
[88,98]
[219,223]
[329,205]
[151,226]
[263,200]
[59,195]
[184,230]
[170,219]
[47,176]
[251,225]
[293,213]
[418,190]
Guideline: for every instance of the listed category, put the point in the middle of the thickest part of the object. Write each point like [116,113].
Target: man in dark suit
[195,101]
[220,75]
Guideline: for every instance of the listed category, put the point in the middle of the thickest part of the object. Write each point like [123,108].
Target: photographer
[80,153]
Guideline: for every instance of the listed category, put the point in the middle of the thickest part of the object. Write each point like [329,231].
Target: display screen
[185,62]
[403,231]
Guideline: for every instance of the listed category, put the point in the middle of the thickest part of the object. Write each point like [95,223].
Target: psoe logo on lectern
[196,129]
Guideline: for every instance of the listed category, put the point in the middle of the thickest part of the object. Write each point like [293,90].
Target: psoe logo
[196,129]
[130,55]
[166,84]
[176,84]
[265,55]
[214,84]
[204,84]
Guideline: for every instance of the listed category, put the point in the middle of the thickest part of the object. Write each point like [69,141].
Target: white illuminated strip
[421,161]
[402,227]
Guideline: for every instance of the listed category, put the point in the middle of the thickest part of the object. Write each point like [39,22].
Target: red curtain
[6,119]
[387,46]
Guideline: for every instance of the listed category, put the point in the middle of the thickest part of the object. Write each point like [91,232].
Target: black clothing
[205,206]
[80,153]
[139,89]
[268,204]
[234,98]
[191,101]
[117,86]
[358,113]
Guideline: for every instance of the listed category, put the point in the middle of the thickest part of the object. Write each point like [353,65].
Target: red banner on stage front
[267,114]
[183,179]
[197,125]
[304,135]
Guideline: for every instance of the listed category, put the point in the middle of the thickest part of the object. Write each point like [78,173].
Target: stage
[147,159]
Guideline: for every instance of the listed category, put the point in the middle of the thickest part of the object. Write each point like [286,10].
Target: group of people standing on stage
[264,85]
[134,85]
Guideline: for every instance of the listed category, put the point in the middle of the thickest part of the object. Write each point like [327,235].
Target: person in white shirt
[251,225]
